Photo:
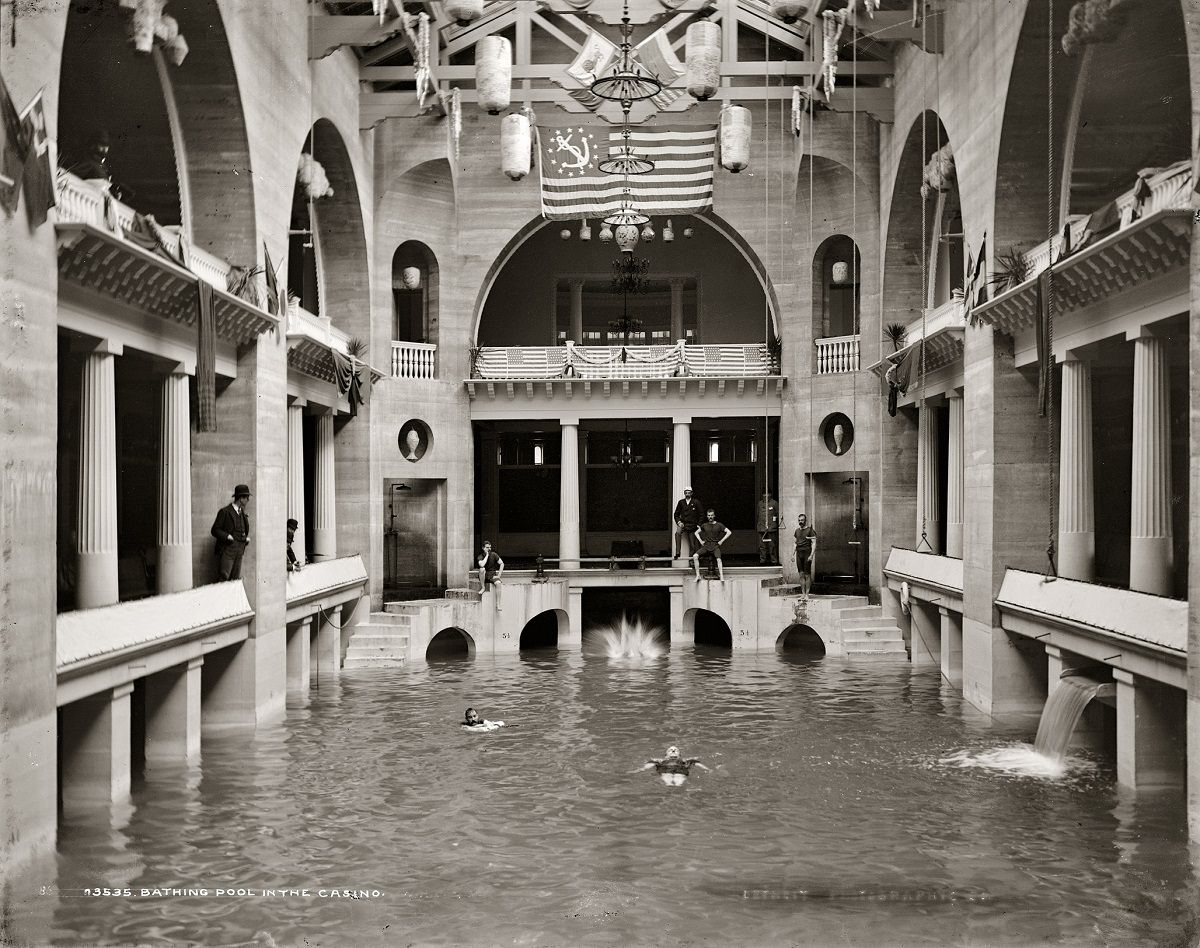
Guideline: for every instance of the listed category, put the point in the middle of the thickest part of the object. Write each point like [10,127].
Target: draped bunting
[274,307]
[353,379]
[206,358]
[621,362]
[12,158]
[1043,329]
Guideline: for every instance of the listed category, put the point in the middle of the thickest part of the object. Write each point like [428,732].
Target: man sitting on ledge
[710,535]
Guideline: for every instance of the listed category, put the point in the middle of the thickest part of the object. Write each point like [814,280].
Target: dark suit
[689,513]
[231,522]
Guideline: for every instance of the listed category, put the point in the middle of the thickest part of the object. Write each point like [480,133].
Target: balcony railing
[623,362]
[413,360]
[950,315]
[319,329]
[81,202]
[837,354]
[1169,188]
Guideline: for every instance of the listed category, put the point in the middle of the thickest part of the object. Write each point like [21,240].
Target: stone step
[377,637]
[412,607]
[772,581]
[868,622]
[397,619]
[876,656]
[362,662]
[387,648]
[848,602]
[861,612]
[785,590]
[873,635]
[470,595]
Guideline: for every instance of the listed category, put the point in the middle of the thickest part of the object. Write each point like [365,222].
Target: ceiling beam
[640,11]
[788,69]
[896,26]
[329,33]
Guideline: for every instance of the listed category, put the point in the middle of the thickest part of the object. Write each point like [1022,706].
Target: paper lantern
[463,12]
[606,234]
[735,138]
[841,272]
[627,237]
[493,73]
[515,145]
[668,232]
[411,278]
[647,233]
[585,231]
[689,233]
[788,10]
[703,54]
[565,233]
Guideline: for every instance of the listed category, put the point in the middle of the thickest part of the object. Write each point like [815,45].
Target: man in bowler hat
[231,530]
[293,562]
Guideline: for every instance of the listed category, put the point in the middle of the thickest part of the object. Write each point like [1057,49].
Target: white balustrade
[836,354]
[950,315]
[413,360]
[624,362]
[300,322]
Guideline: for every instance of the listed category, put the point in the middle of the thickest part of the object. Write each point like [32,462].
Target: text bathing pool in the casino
[838,810]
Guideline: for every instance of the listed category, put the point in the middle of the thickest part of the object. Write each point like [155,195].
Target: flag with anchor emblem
[574,187]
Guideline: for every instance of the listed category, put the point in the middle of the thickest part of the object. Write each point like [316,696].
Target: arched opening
[450,645]
[114,98]
[327,247]
[542,631]
[721,301]
[802,639]
[710,630]
[415,293]
[836,287]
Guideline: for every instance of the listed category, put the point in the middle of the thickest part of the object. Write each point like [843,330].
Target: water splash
[1018,760]
[629,639]
[1063,710]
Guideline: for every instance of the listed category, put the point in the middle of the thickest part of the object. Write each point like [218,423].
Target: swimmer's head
[672,751]
[472,716]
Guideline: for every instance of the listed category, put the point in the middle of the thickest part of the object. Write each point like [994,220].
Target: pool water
[843,808]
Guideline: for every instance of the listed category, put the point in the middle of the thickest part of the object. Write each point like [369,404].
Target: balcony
[677,375]
[413,360]
[1152,237]
[837,354]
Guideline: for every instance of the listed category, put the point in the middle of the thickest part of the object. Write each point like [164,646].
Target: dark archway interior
[712,630]
[415,313]
[801,638]
[302,254]
[449,644]
[541,632]
[109,87]
[603,607]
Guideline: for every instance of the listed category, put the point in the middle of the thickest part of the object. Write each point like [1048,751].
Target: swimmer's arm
[695,763]
[493,723]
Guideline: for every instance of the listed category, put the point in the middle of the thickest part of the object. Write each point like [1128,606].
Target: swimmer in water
[472,720]
[673,767]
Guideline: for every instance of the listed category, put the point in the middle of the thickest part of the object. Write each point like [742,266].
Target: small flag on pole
[656,56]
[595,56]
[39,163]
[12,156]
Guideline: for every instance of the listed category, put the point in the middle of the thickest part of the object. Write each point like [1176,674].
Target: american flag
[574,187]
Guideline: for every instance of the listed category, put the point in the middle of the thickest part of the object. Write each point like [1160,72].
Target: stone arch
[450,643]
[195,112]
[545,630]
[833,315]
[799,637]
[415,310]
[722,227]
[705,627]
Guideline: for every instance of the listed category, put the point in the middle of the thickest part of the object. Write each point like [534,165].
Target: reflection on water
[837,812]
[1021,760]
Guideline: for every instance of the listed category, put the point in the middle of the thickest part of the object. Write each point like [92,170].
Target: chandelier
[623,160]
[627,81]
[629,275]
[625,460]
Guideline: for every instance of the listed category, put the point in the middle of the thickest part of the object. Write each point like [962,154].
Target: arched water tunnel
[541,633]
[450,645]
[708,630]
[627,620]
[801,640]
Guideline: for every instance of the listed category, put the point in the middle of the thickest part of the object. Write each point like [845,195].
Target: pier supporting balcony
[952,646]
[95,736]
[329,643]
[173,713]
[299,643]
[1151,733]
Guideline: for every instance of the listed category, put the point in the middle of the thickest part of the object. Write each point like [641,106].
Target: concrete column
[1150,551]
[926,633]
[299,644]
[97,523]
[95,749]
[573,640]
[681,474]
[1076,503]
[295,473]
[952,665]
[679,635]
[175,486]
[325,495]
[577,311]
[1054,668]
[568,499]
[1151,744]
[927,480]
[954,478]
[173,713]
[676,308]
[329,643]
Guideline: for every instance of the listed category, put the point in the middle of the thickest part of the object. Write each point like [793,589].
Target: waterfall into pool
[1063,710]
[629,638]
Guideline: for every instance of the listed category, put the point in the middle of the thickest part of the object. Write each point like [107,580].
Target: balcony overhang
[930,577]
[311,344]
[325,585]
[1147,248]
[101,261]
[943,348]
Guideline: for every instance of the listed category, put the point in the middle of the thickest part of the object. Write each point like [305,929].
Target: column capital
[568,422]
[1053,650]
[575,283]
[1143,332]
[1124,677]
[89,345]
[181,368]
[121,691]
[946,611]
[681,419]
[953,394]
[295,401]
[1071,355]
[677,282]
[194,663]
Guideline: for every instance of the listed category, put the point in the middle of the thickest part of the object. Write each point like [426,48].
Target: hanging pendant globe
[648,233]
[627,237]
[606,234]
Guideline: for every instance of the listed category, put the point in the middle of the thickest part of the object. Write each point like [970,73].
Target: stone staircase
[381,642]
[866,633]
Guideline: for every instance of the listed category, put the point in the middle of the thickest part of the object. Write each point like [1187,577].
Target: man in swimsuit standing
[806,552]
[710,535]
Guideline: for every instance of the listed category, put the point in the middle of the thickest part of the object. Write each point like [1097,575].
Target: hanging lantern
[841,271]
[565,233]
[703,54]
[585,232]
[735,138]
[516,144]
[627,237]
[411,278]
[668,232]
[606,234]
[689,233]
[464,12]
[647,233]
[493,73]
[788,10]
